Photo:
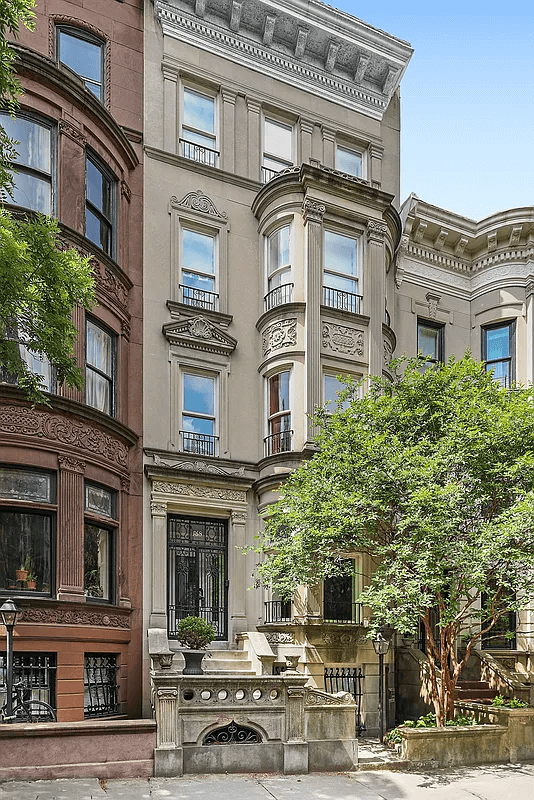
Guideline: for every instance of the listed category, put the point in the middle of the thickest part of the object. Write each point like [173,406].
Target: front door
[197,572]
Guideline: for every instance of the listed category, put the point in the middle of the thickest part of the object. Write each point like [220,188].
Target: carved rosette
[376,231]
[342,339]
[312,211]
[198,201]
[59,616]
[208,492]
[279,335]
[339,638]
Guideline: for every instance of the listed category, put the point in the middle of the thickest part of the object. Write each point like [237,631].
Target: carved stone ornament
[199,333]
[125,329]
[162,660]
[60,616]
[25,421]
[432,300]
[71,465]
[126,192]
[376,231]
[388,352]
[277,637]
[315,697]
[279,335]
[197,201]
[110,284]
[167,694]
[342,339]
[208,492]
[313,211]
[238,518]
[158,509]
[339,638]
[74,133]
[125,484]
[199,466]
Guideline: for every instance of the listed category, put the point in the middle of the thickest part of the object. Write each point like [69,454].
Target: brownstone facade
[82,72]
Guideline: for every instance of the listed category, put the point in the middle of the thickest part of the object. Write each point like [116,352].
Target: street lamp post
[8,614]
[381,646]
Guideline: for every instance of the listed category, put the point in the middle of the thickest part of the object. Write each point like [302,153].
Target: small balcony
[343,611]
[199,298]
[344,301]
[199,153]
[277,611]
[201,444]
[280,442]
[279,296]
[268,174]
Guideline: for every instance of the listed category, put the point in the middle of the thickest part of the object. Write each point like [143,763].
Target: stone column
[306,130]
[375,167]
[123,538]
[228,130]
[254,138]
[170,116]
[329,145]
[374,293]
[528,377]
[158,615]
[313,213]
[238,588]
[70,533]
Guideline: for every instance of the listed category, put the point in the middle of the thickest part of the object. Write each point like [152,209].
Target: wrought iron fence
[278,611]
[345,301]
[279,296]
[346,679]
[200,153]
[37,673]
[201,444]
[278,443]
[199,298]
[101,692]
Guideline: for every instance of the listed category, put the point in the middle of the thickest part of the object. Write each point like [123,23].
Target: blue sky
[467,100]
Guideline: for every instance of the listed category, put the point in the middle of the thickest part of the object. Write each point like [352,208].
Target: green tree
[40,281]
[432,475]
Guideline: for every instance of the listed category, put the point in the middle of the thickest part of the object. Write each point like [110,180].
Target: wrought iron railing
[346,679]
[199,153]
[101,692]
[37,673]
[216,616]
[279,296]
[278,611]
[268,174]
[345,301]
[201,444]
[278,443]
[199,298]
[343,611]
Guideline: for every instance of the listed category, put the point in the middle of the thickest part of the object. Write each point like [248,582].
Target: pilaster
[313,213]
[253,144]
[158,612]
[306,131]
[238,587]
[376,153]
[122,553]
[374,293]
[329,143]
[228,130]
[170,116]
[70,555]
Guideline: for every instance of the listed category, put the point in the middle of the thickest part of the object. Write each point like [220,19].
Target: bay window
[279,435]
[340,275]
[35,169]
[84,53]
[100,200]
[278,260]
[100,368]
[498,351]
[199,414]
[99,540]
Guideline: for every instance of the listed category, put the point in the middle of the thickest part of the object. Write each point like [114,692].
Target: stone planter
[193,662]
[454,746]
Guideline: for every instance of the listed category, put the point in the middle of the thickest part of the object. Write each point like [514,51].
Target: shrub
[195,633]
[508,702]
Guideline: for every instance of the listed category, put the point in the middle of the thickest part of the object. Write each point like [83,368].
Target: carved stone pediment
[199,333]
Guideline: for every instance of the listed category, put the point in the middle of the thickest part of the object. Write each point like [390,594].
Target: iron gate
[197,572]
[346,679]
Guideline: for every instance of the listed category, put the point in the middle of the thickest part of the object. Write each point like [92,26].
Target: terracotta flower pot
[21,574]
[31,585]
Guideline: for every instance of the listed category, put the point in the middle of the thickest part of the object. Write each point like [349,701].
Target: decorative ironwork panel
[37,674]
[233,734]
[338,599]
[197,573]
[101,693]
[278,611]
[346,679]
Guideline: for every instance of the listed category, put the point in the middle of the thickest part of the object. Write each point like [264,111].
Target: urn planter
[193,662]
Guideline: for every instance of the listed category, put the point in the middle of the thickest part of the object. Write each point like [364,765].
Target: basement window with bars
[100,689]
[37,674]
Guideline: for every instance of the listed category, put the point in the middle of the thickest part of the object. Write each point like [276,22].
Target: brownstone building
[70,474]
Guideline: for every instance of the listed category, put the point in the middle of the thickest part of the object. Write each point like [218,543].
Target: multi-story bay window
[277,148]
[100,368]
[349,161]
[100,200]
[84,53]
[430,340]
[198,269]
[199,414]
[332,387]
[34,174]
[198,138]
[279,435]
[26,531]
[99,539]
[278,260]
[498,351]
[340,275]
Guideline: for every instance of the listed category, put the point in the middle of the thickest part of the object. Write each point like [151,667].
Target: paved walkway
[501,782]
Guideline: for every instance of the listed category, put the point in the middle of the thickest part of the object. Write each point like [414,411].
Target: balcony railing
[343,611]
[199,298]
[268,174]
[279,296]
[278,611]
[345,301]
[278,443]
[201,444]
[199,153]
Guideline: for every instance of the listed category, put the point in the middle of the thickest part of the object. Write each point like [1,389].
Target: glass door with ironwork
[197,572]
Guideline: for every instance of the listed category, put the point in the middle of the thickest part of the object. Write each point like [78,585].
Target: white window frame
[269,417]
[285,296]
[201,301]
[197,152]
[205,447]
[333,373]
[357,278]
[267,172]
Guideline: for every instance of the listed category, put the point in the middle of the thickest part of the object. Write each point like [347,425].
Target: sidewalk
[499,782]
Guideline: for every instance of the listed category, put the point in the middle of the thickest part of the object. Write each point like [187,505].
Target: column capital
[158,509]
[71,465]
[253,105]
[228,95]
[238,517]
[306,126]
[376,231]
[329,134]
[313,211]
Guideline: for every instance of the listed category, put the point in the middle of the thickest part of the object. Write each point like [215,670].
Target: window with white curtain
[100,368]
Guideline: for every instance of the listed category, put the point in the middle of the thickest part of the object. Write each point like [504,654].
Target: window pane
[198,252]
[340,283]
[196,138]
[428,342]
[98,231]
[39,365]
[97,562]
[331,388]
[98,189]
[278,140]
[34,148]
[25,541]
[199,111]
[349,161]
[274,165]
[82,56]
[198,425]
[501,371]
[199,394]
[99,349]
[33,193]
[340,253]
[278,249]
[279,393]
[97,391]
[99,500]
[497,343]
[23,484]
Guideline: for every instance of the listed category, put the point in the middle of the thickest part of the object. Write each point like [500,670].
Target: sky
[467,100]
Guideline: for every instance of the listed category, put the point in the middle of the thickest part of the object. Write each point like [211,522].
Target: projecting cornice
[301,42]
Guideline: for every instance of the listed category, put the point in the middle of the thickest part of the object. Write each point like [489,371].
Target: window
[198,262]
[99,544]
[279,418]
[199,414]
[99,204]
[339,592]
[332,387]
[278,258]
[100,368]
[199,141]
[84,54]
[430,340]
[38,364]
[340,277]
[37,673]
[498,351]
[277,148]
[26,534]
[349,161]
[100,690]
[34,182]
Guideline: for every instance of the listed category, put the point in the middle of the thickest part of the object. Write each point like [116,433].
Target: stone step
[473,685]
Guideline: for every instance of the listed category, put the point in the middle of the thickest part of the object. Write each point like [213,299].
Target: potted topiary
[195,634]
